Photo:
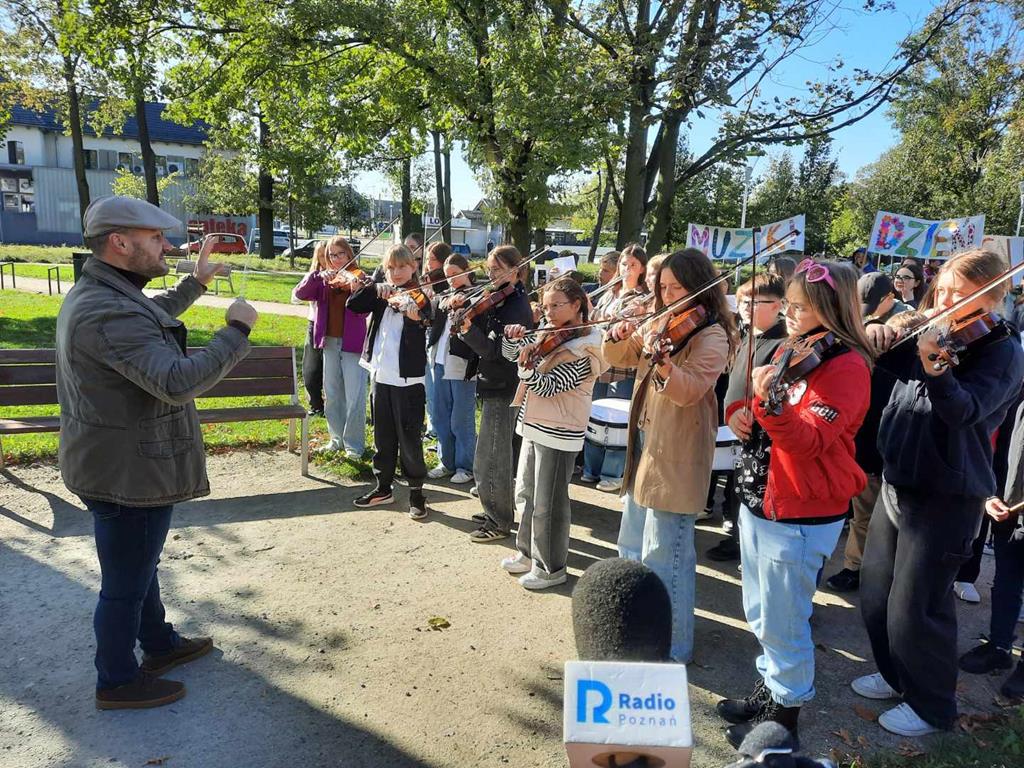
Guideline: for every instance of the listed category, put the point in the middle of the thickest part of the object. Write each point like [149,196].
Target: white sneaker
[609,485]
[329,446]
[874,687]
[966,592]
[462,476]
[903,720]
[537,579]
[438,472]
[518,563]
[350,454]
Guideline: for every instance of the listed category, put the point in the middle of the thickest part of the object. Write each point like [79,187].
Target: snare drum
[609,423]
[727,451]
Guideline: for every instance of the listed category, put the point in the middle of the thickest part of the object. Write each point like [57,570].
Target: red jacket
[812,471]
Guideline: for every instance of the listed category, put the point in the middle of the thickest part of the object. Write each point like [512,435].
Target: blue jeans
[128,542]
[453,413]
[663,541]
[598,461]
[345,394]
[428,386]
[781,562]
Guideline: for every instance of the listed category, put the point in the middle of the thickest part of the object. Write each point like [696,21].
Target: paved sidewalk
[37,285]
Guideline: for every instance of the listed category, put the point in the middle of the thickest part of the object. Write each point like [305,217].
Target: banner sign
[728,244]
[721,243]
[895,234]
[1010,248]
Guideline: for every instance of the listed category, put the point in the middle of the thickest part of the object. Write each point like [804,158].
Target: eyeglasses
[556,305]
[755,302]
[815,272]
[903,277]
[798,309]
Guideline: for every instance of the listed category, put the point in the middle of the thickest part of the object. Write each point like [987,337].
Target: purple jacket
[315,289]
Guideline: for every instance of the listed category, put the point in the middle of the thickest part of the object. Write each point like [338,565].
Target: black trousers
[313,372]
[398,414]
[916,544]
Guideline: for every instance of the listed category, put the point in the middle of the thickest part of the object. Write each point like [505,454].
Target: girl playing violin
[339,333]
[673,420]
[808,417]
[483,331]
[935,439]
[554,396]
[395,353]
[454,363]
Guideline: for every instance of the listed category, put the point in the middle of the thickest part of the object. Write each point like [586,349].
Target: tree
[128,184]
[45,50]
[776,194]
[680,59]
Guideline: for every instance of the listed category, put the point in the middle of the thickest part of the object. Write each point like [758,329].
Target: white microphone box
[626,709]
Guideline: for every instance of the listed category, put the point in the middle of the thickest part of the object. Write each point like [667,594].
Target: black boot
[1013,688]
[846,580]
[744,710]
[771,712]
[986,658]
[726,550]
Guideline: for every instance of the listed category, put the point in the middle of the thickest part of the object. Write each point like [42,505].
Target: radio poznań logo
[595,697]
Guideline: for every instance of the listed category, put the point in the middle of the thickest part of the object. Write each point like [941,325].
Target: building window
[191,166]
[16,152]
[124,161]
[91,159]
[161,165]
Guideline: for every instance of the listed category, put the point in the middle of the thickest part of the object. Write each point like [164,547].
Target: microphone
[771,745]
[625,705]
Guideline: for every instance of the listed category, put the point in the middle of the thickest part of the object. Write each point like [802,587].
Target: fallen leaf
[864,713]
[438,623]
[844,734]
[906,749]
[863,742]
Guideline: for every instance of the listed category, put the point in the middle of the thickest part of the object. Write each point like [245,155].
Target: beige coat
[679,419]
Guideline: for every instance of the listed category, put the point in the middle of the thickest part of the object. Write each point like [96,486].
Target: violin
[481,306]
[964,334]
[795,359]
[676,332]
[402,301]
[552,340]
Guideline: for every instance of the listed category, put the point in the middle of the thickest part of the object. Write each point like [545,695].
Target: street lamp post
[1020,214]
[748,173]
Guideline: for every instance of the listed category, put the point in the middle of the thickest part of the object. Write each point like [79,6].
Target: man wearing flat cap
[130,444]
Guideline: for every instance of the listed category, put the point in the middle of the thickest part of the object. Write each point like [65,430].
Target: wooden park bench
[29,377]
[187,267]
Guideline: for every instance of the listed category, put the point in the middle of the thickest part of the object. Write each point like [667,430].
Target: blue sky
[865,40]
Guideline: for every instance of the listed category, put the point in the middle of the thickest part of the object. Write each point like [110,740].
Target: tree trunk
[602,206]
[631,215]
[148,155]
[446,155]
[265,211]
[75,122]
[439,185]
[661,228]
[408,222]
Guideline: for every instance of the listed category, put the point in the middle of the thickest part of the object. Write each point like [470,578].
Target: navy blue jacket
[936,432]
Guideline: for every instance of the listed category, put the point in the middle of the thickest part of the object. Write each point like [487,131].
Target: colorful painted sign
[895,234]
[729,244]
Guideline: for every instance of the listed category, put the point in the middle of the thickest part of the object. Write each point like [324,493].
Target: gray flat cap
[106,214]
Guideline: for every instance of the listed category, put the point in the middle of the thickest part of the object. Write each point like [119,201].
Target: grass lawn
[29,321]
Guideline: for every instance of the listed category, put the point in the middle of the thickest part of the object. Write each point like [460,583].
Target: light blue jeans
[345,396]
[663,541]
[428,386]
[453,413]
[781,562]
[600,462]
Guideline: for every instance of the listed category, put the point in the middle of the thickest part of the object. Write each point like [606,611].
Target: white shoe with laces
[518,563]
[874,687]
[537,579]
[462,476]
[610,486]
[438,472]
[904,721]
[966,592]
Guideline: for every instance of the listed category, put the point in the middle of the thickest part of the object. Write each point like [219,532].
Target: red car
[224,243]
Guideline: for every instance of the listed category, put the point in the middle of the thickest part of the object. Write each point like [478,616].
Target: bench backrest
[29,376]
[187,267]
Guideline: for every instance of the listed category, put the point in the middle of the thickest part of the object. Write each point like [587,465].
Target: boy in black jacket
[395,354]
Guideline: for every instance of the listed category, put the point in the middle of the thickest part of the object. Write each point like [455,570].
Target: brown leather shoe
[184,653]
[144,692]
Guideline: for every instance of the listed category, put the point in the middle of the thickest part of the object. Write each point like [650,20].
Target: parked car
[356,244]
[281,240]
[462,248]
[224,243]
[303,250]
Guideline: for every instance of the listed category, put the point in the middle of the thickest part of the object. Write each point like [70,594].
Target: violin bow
[748,384]
[379,232]
[959,304]
[479,289]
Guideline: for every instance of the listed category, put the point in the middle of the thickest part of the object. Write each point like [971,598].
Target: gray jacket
[129,428]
